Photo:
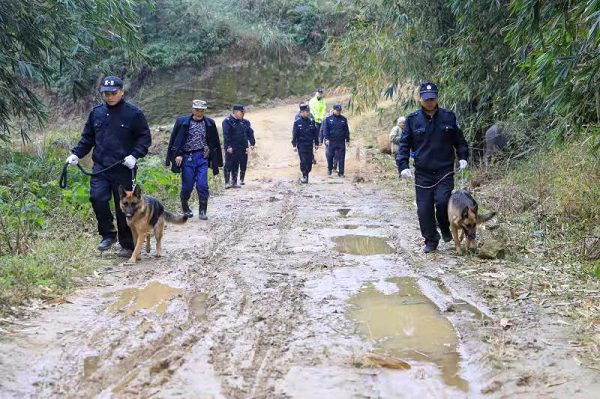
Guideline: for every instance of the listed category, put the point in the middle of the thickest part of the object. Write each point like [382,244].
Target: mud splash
[154,295]
[362,245]
[407,325]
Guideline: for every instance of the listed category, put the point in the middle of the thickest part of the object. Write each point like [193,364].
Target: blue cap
[238,107]
[428,90]
[111,83]
[337,107]
[304,107]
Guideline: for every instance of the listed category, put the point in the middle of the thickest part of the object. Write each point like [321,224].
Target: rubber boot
[227,174]
[185,206]
[203,208]
[242,176]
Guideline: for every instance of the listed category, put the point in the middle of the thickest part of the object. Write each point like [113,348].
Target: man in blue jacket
[235,143]
[195,147]
[433,136]
[117,131]
[252,141]
[304,136]
[336,135]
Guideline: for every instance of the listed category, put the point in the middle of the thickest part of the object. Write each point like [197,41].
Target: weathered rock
[492,249]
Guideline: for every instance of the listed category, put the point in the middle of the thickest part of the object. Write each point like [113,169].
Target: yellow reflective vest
[318,108]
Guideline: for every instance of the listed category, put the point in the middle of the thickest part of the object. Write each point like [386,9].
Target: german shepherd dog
[144,212]
[463,216]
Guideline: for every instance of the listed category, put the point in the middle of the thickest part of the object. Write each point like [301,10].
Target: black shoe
[429,247]
[314,161]
[185,206]
[340,174]
[203,208]
[304,179]
[328,172]
[446,235]
[226,173]
[106,244]
[125,253]
[242,176]
[234,182]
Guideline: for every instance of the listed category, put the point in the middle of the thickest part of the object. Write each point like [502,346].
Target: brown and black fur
[464,218]
[145,214]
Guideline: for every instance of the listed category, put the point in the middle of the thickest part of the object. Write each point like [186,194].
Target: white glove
[463,164]
[406,173]
[73,160]
[130,161]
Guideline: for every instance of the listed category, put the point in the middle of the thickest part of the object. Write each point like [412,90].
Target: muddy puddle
[344,211]
[362,245]
[155,295]
[357,226]
[407,326]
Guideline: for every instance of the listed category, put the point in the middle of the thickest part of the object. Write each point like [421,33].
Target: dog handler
[434,136]
[193,148]
[116,130]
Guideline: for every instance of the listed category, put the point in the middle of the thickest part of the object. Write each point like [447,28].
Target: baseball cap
[199,104]
[111,83]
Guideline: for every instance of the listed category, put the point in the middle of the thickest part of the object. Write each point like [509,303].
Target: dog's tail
[170,218]
[485,218]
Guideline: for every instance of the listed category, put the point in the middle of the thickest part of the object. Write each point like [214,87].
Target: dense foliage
[531,63]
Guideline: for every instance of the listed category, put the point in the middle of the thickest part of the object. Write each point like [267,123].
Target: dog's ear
[485,218]
[137,191]
[121,192]
[465,213]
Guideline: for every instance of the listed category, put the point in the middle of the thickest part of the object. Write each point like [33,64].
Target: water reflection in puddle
[407,325]
[362,245]
[155,294]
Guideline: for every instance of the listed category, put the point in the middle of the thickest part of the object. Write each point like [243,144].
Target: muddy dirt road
[315,291]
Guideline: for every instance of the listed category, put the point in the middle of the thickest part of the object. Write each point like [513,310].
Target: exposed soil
[293,290]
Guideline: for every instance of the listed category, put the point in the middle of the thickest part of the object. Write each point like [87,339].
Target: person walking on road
[195,147]
[433,136]
[235,143]
[318,109]
[305,137]
[252,142]
[117,131]
[395,135]
[336,135]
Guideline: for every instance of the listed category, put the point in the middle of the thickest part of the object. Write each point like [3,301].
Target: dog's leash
[439,181]
[63,176]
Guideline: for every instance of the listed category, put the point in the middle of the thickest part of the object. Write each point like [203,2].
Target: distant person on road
[433,136]
[235,143]
[195,147]
[117,131]
[318,109]
[305,137]
[336,135]
[252,142]
[395,135]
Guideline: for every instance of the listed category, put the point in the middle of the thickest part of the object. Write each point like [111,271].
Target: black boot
[234,180]
[185,206]
[304,179]
[227,174]
[106,243]
[203,208]
[242,176]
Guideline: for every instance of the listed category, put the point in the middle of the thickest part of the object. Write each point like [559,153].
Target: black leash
[63,176]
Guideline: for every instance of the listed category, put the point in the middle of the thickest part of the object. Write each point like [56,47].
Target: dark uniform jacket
[433,142]
[249,132]
[304,133]
[114,133]
[179,137]
[335,128]
[234,133]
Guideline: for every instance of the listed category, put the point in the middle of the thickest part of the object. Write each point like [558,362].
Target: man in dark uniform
[117,131]
[336,134]
[252,141]
[433,136]
[235,144]
[305,136]
[193,148]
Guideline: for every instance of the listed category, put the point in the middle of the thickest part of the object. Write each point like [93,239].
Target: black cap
[428,90]
[320,91]
[238,107]
[304,107]
[111,83]
[337,107]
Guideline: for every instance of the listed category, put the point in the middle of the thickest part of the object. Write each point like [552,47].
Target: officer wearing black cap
[117,131]
[252,141]
[434,137]
[235,143]
[336,134]
[304,136]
